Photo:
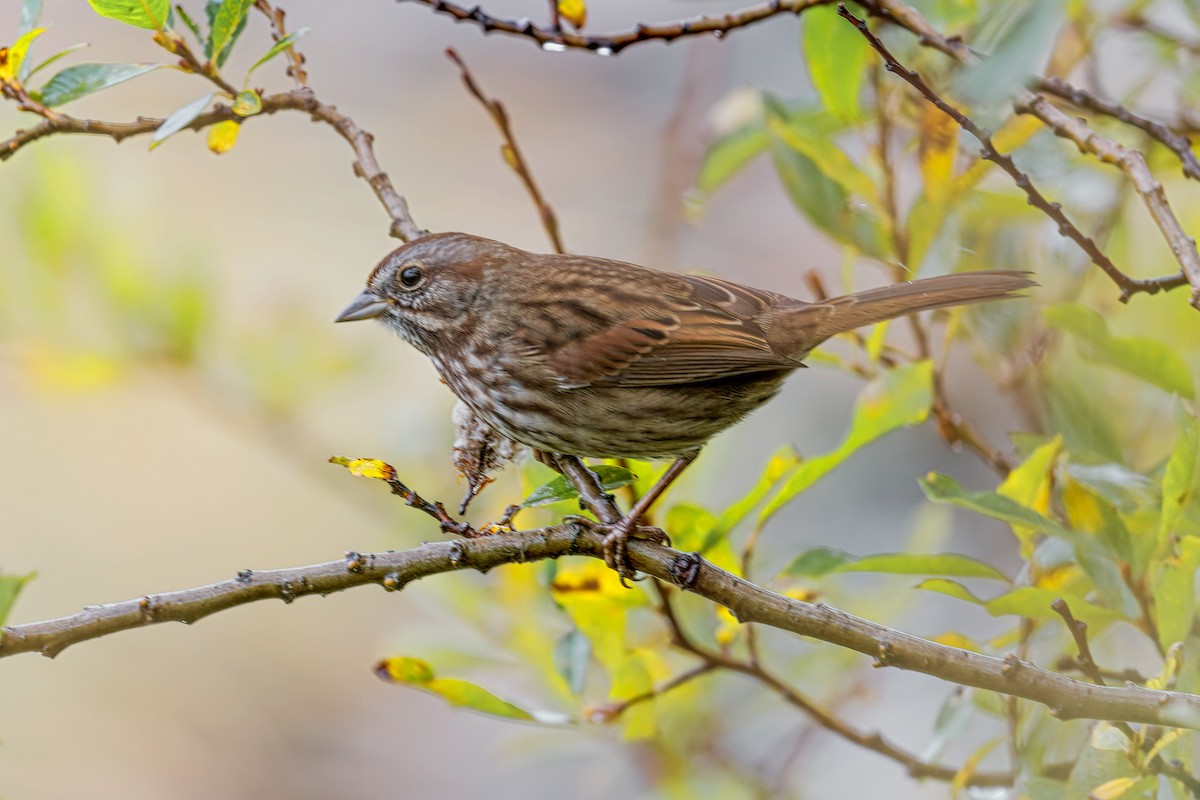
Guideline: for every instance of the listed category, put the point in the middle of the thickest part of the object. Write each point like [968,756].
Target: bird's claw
[616,542]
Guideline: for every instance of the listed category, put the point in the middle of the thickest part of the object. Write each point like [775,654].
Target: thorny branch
[511,152]
[1129,286]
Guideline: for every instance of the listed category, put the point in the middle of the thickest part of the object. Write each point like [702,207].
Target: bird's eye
[410,277]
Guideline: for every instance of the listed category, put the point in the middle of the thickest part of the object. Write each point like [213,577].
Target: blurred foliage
[1101,503]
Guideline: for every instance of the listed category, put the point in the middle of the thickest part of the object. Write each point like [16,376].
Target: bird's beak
[365,306]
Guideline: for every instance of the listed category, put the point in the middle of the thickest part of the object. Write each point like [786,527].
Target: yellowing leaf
[1110,790]
[728,626]
[1014,133]
[11,57]
[247,103]
[1179,478]
[365,467]
[417,673]
[223,136]
[937,150]
[573,11]
[1029,484]
[58,370]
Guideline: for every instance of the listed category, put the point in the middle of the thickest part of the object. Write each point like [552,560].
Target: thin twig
[1129,286]
[1133,163]
[278,33]
[511,152]
[554,38]
[366,166]
[1176,142]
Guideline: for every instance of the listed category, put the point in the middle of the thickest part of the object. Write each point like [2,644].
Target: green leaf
[10,588]
[277,48]
[1175,593]
[1153,361]
[1179,477]
[28,73]
[247,103]
[1024,35]
[837,56]
[820,561]
[944,489]
[948,587]
[227,19]
[30,11]
[84,79]
[611,477]
[778,467]
[820,196]
[180,119]
[812,140]
[817,561]
[191,25]
[572,656]
[150,14]
[900,397]
[417,673]
[1034,602]
[953,719]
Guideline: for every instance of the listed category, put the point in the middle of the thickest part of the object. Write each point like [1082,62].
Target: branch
[366,166]
[510,151]
[1129,286]
[279,32]
[1133,163]
[1174,141]
[609,44]
[1067,698]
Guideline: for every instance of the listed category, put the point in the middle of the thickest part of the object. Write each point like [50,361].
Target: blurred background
[171,387]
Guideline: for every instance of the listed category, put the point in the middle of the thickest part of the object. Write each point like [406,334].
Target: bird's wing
[704,329]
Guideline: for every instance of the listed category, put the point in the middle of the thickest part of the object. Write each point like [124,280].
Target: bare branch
[1176,142]
[366,166]
[1129,286]
[1067,698]
[1133,163]
[511,152]
[278,33]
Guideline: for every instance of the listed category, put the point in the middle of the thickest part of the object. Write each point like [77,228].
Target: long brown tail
[819,321]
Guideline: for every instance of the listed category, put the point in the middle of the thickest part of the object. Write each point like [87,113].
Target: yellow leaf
[54,369]
[955,639]
[573,11]
[1014,133]
[223,136]
[1110,790]
[937,150]
[366,467]
[727,626]
[11,57]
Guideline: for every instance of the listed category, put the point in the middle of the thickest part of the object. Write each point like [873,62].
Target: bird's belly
[613,422]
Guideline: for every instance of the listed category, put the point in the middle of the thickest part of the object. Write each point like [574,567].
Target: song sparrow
[583,356]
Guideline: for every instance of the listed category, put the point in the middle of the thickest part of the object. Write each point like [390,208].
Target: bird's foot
[616,541]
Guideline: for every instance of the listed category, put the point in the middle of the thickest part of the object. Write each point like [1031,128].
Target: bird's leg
[591,489]
[618,534]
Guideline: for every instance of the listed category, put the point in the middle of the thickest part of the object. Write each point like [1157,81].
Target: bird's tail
[818,321]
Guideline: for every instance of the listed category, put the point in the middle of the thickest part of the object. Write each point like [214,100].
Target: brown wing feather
[706,331]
